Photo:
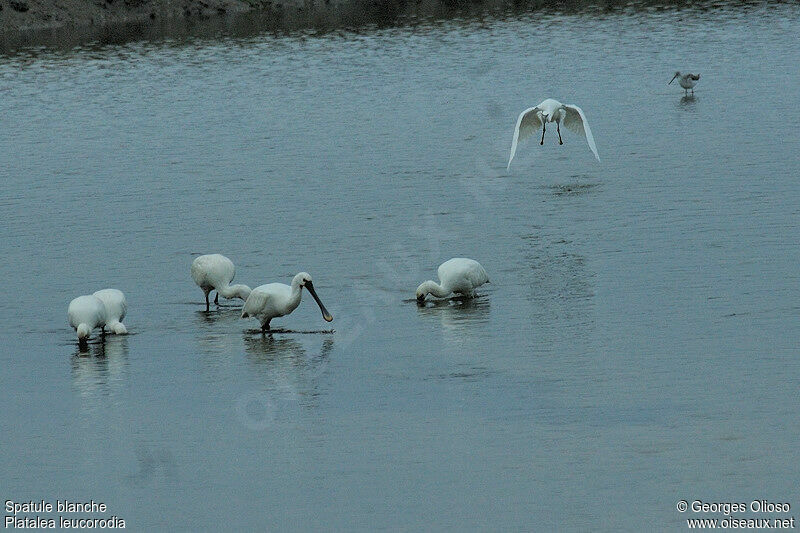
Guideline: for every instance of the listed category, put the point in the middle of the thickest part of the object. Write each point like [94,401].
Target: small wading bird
[215,272]
[278,299]
[533,118]
[86,313]
[116,306]
[458,275]
[687,81]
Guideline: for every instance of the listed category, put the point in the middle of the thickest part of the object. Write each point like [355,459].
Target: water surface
[637,344]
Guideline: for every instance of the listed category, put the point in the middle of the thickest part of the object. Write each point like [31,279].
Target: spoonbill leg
[265,328]
[558,129]
[544,128]
[216,299]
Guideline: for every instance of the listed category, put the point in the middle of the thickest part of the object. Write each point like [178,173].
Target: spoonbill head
[116,307]
[458,275]
[86,313]
[533,118]
[272,300]
[215,272]
[687,81]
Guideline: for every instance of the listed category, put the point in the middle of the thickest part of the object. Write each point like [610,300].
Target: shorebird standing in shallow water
[458,275]
[272,300]
[86,313]
[687,81]
[551,110]
[215,272]
[116,307]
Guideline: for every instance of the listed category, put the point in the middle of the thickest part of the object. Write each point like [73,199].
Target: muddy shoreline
[39,15]
[66,23]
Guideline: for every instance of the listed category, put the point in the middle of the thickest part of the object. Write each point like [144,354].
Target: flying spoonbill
[278,299]
[215,272]
[551,110]
[687,81]
[86,313]
[459,275]
[116,306]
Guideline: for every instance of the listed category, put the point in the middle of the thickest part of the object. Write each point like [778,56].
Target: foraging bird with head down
[215,272]
[272,300]
[86,313]
[116,307]
[533,118]
[687,81]
[458,275]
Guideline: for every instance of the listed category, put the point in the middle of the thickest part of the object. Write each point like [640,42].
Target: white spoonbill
[86,313]
[278,299]
[459,275]
[215,272]
[116,306]
[551,110]
[687,81]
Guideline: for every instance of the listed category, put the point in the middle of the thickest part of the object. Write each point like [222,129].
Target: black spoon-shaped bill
[325,314]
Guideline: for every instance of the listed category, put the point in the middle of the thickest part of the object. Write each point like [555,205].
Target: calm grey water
[637,345]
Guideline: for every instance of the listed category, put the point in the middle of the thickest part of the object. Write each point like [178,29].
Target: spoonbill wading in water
[215,272]
[458,275]
[278,299]
[687,81]
[86,313]
[533,118]
[116,307]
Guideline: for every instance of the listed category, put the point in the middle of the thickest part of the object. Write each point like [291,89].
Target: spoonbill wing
[477,275]
[256,302]
[123,308]
[576,121]
[527,123]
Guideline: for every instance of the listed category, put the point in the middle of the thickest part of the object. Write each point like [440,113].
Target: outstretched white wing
[576,121]
[527,123]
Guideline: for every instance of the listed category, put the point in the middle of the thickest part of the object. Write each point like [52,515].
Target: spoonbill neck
[234,291]
[431,287]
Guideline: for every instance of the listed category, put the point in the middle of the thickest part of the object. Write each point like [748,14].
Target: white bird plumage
[215,272]
[272,300]
[116,307]
[458,275]
[86,313]
[533,118]
[687,81]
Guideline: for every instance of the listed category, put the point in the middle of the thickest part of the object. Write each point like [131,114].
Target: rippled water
[637,344]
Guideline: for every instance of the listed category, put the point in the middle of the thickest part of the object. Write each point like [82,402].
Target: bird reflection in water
[218,329]
[223,314]
[284,352]
[99,365]
[266,349]
[290,374]
[459,316]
